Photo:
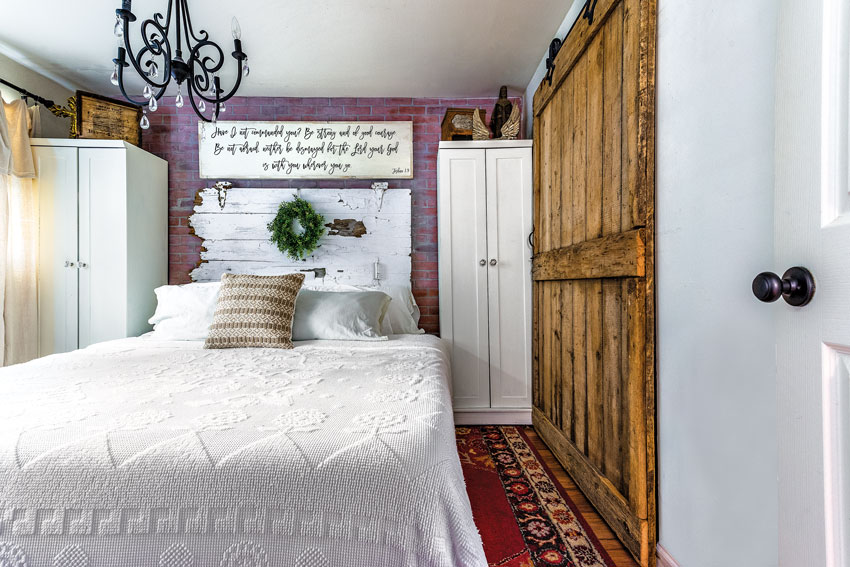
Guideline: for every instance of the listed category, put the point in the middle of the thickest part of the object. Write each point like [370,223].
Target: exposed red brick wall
[173,135]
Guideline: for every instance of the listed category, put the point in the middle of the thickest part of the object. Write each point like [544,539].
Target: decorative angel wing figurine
[510,129]
[479,129]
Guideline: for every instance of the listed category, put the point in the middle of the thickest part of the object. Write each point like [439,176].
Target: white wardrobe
[103,228]
[484,200]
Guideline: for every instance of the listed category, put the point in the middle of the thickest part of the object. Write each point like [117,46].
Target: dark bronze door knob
[796,286]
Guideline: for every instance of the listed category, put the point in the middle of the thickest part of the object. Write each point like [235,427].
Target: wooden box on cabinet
[485,217]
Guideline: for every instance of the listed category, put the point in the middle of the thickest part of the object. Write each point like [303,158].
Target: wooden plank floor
[612,545]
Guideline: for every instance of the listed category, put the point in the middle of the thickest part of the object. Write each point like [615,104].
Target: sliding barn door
[594,340]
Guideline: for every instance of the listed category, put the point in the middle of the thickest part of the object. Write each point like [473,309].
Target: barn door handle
[796,286]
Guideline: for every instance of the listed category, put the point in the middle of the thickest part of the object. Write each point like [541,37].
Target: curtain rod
[27,94]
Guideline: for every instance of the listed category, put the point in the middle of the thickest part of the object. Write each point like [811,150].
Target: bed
[145,452]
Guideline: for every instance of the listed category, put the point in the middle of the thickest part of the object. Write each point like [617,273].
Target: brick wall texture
[173,135]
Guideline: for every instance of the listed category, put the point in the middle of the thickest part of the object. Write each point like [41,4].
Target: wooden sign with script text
[102,118]
[305,150]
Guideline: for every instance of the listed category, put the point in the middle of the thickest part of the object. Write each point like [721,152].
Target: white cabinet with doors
[103,240]
[485,218]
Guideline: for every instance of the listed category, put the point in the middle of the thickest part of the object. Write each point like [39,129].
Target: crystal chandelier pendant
[245,69]
[178,102]
[222,107]
[152,105]
[113,78]
[144,122]
[147,91]
[118,30]
[202,106]
[153,70]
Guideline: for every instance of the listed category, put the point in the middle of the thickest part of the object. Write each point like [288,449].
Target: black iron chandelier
[204,60]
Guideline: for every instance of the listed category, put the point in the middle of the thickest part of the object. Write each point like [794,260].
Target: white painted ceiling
[311,47]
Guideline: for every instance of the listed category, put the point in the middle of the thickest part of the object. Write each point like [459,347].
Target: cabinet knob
[492,261]
[482,262]
[69,264]
[796,286]
[83,265]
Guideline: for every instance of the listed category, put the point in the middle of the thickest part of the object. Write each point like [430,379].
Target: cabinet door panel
[509,205]
[103,245]
[463,281]
[56,183]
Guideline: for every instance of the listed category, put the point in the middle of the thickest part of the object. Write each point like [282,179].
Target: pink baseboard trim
[664,558]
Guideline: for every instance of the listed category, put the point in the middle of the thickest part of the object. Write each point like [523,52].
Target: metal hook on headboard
[381,186]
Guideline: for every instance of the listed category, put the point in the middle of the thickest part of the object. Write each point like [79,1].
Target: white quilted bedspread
[138,452]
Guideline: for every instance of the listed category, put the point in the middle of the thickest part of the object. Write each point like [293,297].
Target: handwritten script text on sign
[305,150]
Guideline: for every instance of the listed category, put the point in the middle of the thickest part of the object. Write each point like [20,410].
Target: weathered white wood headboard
[365,226]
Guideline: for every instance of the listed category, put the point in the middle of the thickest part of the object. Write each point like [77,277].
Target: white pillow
[184,312]
[339,315]
[402,316]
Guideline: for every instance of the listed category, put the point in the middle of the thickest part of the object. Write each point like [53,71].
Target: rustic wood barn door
[594,306]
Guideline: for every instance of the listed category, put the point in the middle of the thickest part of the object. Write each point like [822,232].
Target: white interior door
[56,183]
[509,205]
[812,229]
[462,204]
[103,245]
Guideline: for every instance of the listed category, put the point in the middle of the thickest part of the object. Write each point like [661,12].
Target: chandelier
[159,57]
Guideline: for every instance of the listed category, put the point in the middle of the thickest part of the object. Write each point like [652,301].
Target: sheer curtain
[18,238]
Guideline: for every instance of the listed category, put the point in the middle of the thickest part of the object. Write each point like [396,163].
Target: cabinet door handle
[796,286]
[492,261]
[482,262]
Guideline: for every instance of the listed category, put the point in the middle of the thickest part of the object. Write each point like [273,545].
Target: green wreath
[296,246]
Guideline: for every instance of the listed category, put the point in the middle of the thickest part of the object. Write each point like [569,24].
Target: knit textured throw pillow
[254,311]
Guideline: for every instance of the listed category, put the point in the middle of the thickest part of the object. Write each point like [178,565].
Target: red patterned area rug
[524,516]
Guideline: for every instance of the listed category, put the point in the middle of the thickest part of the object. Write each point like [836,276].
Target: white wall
[15,73]
[717,463]
[717,454]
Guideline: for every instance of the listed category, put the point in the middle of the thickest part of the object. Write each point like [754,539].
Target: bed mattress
[138,452]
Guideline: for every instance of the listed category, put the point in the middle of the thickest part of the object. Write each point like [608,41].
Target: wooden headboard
[364,226]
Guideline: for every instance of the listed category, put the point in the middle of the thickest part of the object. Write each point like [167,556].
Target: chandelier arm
[190,32]
[143,102]
[177,28]
[200,69]
[158,17]
[232,92]
[194,106]
[135,60]
[238,82]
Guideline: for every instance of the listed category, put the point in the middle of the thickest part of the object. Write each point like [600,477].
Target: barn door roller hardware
[555,46]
